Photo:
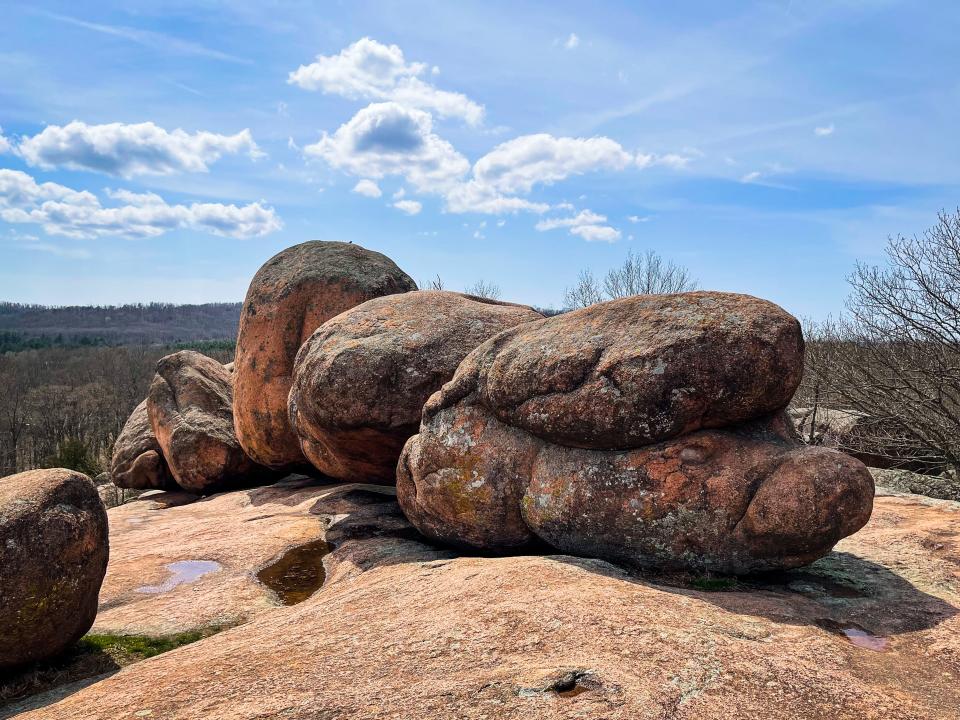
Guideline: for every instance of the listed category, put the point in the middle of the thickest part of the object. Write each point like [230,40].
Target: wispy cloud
[572,41]
[152,39]
[824,131]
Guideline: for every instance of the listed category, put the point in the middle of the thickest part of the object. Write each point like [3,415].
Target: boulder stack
[53,556]
[191,412]
[360,381]
[647,430]
[291,296]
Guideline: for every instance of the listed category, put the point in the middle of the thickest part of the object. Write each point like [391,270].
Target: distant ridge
[25,326]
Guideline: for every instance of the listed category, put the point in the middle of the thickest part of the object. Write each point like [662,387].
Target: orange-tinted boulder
[360,382]
[190,407]
[53,556]
[737,500]
[291,296]
[137,459]
[646,430]
[642,369]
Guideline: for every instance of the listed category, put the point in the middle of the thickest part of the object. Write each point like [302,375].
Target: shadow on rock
[841,588]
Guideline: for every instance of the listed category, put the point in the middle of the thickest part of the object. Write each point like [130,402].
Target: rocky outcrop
[137,459]
[512,449]
[944,487]
[53,555]
[413,632]
[191,412]
[290,297]
[360,381]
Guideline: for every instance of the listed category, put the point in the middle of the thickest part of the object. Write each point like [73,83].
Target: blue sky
[164,150]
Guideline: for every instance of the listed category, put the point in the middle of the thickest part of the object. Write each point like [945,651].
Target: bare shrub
[638,275]
[480,288]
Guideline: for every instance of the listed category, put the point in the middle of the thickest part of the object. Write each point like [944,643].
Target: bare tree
[645,274]
[433,284]
[585,292]
[896,357]
[483,289]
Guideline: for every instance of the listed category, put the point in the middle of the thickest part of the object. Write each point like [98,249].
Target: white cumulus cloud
[596,233]
[391,139]
[586,224]
[130,150]
[4,143]
[824,131]
[410,207]
[368,188]
[369,70]
[517,165]
[60,210]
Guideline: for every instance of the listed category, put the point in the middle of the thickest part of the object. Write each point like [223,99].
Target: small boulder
[360,381]
[53,555]
[291,296]
[191,412]
[137,459]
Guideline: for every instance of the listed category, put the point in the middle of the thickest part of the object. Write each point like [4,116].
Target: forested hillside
[38,326]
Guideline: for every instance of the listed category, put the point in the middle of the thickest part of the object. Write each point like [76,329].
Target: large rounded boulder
[295,292]
[360,381]
[53,556]
[138,461]
[190,405]
[643,369]
[651,483]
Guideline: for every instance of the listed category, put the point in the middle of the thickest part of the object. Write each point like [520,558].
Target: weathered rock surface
[53,555]
[137,459]
[180,563]
[291,296]
[736,500]
[870,631]
[642,369]
[943,487]
[191,412]
[360,381]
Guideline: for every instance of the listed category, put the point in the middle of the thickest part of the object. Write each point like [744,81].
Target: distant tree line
[37,326]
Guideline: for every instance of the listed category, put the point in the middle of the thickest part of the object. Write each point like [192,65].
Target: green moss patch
[94,654]
[714,584]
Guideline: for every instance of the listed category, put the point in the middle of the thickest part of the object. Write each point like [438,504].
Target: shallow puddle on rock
[572,692]
[857,635]
[298,573]
[182,571]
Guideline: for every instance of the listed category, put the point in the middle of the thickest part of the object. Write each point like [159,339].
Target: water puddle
[182,571]
[573,691]
[298,573]
[858,636]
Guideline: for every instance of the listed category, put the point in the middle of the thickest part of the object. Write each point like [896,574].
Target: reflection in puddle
[182,571]
[857,635]
[298,573]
